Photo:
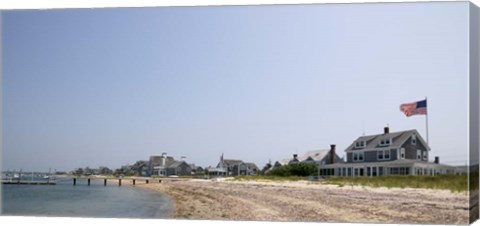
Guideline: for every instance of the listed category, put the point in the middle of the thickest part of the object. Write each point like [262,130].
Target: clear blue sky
[112,86]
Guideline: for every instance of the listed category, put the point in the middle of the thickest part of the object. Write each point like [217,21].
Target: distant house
[282,162]
[233,167]
[88,171]
[196,169]
[127,170]
[158,162]
[104,170]
[167,166]
[319,157]
[141,168]
[399,153]
[178,168]
[78,172]
[252,168]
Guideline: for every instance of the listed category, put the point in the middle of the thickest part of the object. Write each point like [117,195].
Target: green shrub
[269,178]
[299,169]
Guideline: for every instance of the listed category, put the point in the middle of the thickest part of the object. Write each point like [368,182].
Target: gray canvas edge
[474,109]
[1,103]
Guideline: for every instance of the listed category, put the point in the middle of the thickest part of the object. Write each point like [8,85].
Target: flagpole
[426,120]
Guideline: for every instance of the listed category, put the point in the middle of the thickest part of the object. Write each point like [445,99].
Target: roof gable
[398,139]
[176,164]
[315,155]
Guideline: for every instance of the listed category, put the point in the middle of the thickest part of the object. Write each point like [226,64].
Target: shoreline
[314,202]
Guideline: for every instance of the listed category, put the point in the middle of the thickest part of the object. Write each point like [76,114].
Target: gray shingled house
[233,167]
[398,153]
[140,168]
[157,163]
[178,168]
[167,166]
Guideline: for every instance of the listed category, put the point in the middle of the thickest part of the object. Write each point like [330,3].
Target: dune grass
[454,183]
[269,178]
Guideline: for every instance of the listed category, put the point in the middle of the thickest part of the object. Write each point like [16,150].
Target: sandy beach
[307,201]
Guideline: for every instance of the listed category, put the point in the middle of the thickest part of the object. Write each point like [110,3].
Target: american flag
[415,108]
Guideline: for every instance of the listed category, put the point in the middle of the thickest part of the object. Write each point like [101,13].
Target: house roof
[315,155]
[251,165]
[398,139]
[231,162]
[175,164]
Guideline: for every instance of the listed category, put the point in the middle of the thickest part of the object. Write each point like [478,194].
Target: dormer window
[414,139]
[385,142]
[360,144]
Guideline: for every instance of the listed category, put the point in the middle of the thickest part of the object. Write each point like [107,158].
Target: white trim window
[360,144]
[383,155]
[414,139]
[386,154]
[419,154]
[425,156]
[358,156]
[402,153]
[380,155]
[385,142]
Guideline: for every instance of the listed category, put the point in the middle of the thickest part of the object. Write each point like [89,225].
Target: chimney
[386,130]
[437,160]
[295,156]
[164,158]
[332,153]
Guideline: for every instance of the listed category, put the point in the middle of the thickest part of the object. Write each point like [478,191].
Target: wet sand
[307,201]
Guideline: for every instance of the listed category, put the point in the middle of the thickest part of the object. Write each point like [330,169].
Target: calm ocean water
[64,199]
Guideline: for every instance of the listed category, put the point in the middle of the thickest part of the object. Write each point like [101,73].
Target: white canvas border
[56,4]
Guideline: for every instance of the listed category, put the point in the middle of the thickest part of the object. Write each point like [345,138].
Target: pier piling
[105,181]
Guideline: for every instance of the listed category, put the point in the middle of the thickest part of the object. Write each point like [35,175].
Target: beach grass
[268,178]
[454,183]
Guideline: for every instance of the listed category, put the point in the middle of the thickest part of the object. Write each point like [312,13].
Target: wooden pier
[29,182]
[118,181]
[88,181]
